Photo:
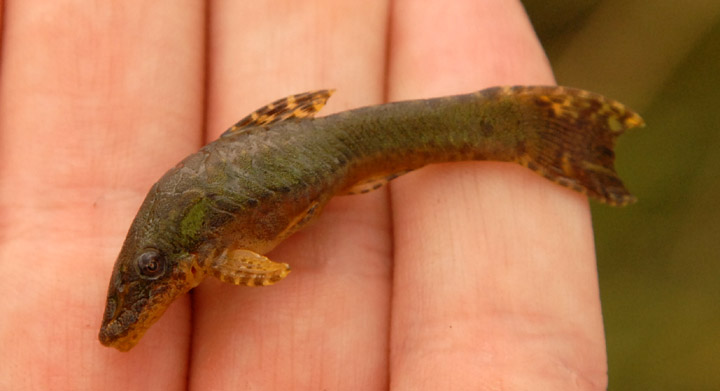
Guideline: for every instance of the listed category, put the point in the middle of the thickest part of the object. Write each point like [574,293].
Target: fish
[221,209]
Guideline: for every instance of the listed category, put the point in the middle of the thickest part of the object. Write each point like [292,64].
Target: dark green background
[658,259]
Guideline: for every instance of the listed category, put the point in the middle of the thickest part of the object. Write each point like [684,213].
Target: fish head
[151,271]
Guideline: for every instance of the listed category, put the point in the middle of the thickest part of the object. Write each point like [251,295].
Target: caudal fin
[574,140]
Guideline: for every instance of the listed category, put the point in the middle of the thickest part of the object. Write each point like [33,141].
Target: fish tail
[574,139]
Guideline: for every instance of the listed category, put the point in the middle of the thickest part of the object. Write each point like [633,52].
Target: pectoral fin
[298,106]
[244,267]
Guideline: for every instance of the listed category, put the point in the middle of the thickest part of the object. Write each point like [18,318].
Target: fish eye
[150,264]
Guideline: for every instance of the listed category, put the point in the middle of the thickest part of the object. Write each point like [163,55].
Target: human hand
[460,276]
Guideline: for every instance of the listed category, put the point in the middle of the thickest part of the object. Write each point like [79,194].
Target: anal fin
[301,220]
[373,183]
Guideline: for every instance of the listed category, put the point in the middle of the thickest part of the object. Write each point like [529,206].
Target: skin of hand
[457,276]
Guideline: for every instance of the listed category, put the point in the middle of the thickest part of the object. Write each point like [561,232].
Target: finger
[325,326]
[502,290]
[97,100]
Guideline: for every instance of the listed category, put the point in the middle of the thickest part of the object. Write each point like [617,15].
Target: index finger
[90,116]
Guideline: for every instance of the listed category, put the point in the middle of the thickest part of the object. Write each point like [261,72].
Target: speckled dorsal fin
[369,184]
[298,106]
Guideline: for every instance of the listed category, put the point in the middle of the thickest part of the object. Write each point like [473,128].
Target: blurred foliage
[659,259]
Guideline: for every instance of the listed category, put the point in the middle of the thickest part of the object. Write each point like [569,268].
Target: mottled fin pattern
[373,183]
[298,106]
[244,267]
[576,133]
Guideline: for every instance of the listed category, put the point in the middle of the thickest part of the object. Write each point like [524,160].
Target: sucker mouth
[124,329]
[120,333]
[130,309]
[122,342]
[118,322]
[114,329]
[106,337]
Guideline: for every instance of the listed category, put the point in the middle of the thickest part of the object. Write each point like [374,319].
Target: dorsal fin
[298,106]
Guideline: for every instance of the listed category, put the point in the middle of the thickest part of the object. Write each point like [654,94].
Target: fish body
[220,209]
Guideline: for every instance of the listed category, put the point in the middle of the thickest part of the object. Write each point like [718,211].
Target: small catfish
[221,209]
